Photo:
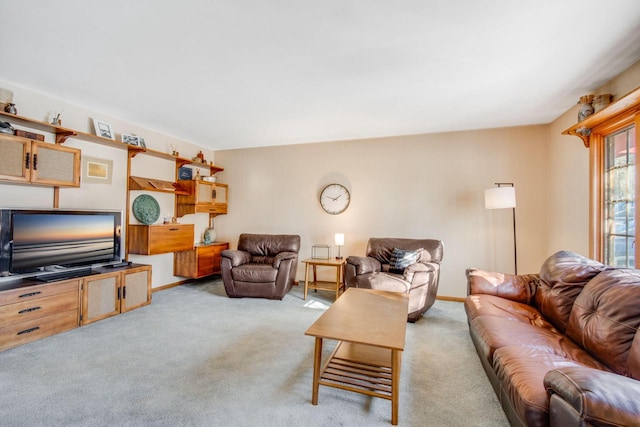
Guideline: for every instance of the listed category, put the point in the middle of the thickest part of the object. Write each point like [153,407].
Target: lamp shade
[500,198]
[339,239]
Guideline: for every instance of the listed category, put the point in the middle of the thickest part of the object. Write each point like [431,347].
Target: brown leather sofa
[419,280]
[562,347]
[263,266]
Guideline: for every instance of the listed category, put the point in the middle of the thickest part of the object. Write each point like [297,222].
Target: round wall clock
[335,199]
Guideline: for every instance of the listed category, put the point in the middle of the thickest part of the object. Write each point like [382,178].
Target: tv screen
[62,238]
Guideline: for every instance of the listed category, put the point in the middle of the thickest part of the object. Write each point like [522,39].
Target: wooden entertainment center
[31,309]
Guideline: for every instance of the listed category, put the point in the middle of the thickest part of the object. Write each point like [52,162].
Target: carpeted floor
[197,358]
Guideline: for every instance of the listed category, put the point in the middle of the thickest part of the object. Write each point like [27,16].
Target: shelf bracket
[61,136]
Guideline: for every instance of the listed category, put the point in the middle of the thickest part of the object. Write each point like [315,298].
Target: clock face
[335,199]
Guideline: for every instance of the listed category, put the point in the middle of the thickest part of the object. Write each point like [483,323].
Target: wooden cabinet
[111,293]
[37,162]
[28,313]
[202,197]
[201,261]
[159,238]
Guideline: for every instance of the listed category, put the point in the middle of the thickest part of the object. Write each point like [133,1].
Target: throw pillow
[401,259]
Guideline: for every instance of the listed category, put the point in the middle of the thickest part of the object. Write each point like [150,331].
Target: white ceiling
[245,73]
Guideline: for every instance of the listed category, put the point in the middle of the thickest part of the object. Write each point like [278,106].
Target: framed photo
[185,173]
[103,129]
[131,139]
[96,171]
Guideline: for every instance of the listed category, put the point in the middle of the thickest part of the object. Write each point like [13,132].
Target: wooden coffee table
[370,326]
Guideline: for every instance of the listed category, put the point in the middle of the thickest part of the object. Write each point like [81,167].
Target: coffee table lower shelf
[359,368]
[364,369]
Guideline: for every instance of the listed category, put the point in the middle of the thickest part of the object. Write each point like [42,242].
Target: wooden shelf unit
[203,260]
[626,104]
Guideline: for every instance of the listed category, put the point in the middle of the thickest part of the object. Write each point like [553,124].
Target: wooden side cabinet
[201,261]
[32,312]
[37,162]
[111,293]
[159,238]
[203,197]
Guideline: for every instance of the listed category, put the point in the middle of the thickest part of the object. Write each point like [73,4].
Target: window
[619,177]
[611,136]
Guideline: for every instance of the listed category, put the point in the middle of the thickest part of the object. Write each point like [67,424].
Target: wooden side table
[336,286]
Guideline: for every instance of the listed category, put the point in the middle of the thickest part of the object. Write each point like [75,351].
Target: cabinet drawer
[160,239]
[40,307]
[29,293]
[24,332]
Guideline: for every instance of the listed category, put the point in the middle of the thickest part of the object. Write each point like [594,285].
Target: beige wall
[427,186]
[406,186]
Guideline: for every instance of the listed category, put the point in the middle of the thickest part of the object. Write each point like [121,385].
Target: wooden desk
[370,326]
[335,286]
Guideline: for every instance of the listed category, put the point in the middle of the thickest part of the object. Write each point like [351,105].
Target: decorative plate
[146,209]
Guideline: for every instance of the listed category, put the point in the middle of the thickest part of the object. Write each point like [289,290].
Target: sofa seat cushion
[520,372]
[383,281]
[254,273]
[491,305]
[493,332]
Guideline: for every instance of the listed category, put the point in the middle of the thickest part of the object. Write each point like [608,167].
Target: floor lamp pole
[515,246]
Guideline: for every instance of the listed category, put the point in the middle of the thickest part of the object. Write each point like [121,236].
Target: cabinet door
[15,161]
[217,256]
[55,165]
[204,193]
[100,297]
[205,261]
[136,288]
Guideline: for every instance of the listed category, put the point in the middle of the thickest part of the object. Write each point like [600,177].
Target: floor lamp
[501,197]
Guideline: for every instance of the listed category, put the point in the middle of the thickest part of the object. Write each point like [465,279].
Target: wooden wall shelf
[158,185]
[62,134]
[625,104]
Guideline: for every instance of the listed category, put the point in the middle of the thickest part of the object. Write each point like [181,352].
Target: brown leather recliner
[419,279]
[263,266]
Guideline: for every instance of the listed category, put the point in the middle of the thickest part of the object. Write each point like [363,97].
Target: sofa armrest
[364,265]
[588,396]
[236,257]
[281,257]
[520,288]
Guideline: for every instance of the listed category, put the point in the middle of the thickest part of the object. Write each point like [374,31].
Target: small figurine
[11,108]
[56,120]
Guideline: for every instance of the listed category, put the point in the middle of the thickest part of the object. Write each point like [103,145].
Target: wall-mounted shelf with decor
[61,133]
[626,104]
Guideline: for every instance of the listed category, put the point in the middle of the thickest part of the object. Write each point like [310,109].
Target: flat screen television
[44,240]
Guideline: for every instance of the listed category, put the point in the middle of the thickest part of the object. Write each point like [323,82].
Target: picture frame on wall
[96,170]
[103,129]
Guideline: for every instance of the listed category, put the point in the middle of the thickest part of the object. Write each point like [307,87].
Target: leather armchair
[419,280]
[263,266]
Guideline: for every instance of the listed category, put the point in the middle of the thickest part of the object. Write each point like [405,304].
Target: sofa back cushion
[268,245]
[605,320]
[562,277]
[381,248]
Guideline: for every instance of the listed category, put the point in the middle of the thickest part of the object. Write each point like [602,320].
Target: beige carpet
[197,358]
